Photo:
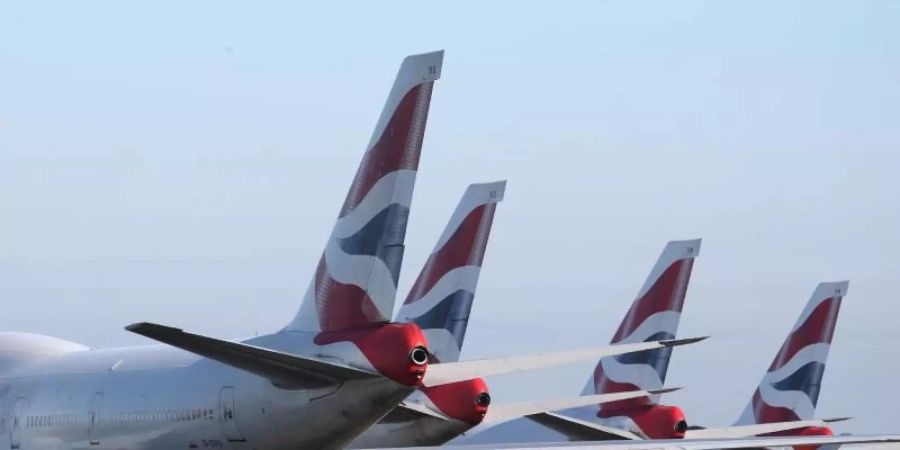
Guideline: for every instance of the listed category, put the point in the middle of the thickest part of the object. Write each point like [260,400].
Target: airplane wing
[452,372]
[739,431]
[499,413]
[283,369]
[684,444]
[507,411]
[581,430]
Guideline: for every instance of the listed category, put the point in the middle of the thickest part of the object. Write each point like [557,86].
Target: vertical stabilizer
[441,298]
[356,279]
[790,389]
[654,315]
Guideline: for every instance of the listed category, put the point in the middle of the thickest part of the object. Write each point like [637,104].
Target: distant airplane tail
[790,389]
[441,298]
[356,278]
[654,315]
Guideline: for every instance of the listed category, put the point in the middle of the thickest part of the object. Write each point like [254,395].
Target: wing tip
[664,390]
[684,341]
[145,328]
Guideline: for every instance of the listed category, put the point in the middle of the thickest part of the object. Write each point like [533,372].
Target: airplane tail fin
[790,389]
[654,315]
[441,298]
[356,280]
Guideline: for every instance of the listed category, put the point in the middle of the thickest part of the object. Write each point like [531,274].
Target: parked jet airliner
[690,444]
[440,302]
[785,401]
[335,369]
[655,314]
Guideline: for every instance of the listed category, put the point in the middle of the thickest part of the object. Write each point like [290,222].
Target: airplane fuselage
[159,397]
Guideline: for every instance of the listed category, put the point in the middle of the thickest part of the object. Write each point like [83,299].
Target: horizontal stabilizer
[410,411]
[695,444]
[739,431]
[835,419]
[757,442]
[581,430]
[499,413]
[452,372]
[284,370]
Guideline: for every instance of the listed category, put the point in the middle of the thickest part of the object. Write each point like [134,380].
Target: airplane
[440,302]
[789,391]
[336,368]
[784,402]
[690,444]
[654,314]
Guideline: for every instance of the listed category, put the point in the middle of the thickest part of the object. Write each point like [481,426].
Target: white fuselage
[159,397]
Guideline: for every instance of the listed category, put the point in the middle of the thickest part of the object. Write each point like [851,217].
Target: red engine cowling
[396,350]
[466,401]
[806,431]
[656,421]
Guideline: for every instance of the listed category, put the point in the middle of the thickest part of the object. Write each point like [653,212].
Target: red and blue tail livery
[356,279]
[790,389]
[654,315]
[442,296]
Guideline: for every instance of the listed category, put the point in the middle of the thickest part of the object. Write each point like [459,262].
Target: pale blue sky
[182,162]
